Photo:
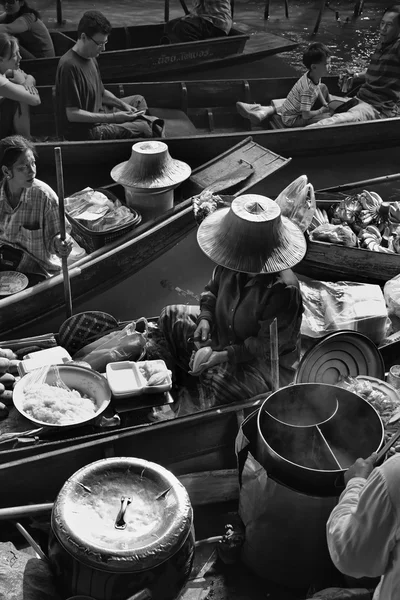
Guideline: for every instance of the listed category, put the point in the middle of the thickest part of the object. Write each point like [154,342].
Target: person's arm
[18,26]
[286,304]
[208,298]
[309,114]
[361,530]
[16,91]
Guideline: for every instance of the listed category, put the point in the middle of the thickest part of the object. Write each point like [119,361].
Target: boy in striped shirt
[298,108]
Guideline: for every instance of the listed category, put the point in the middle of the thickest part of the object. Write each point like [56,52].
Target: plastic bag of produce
[126,344]
[343,305]
[297,202]
[23,577]
[334,234]
[391,292]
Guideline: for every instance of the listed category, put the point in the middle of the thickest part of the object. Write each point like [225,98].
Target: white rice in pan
[57,406]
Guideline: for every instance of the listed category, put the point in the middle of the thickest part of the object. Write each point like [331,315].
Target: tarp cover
[23,577]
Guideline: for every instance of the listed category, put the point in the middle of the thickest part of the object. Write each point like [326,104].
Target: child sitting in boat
[298,108]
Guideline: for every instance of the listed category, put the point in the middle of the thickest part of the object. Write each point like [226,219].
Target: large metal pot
[313,458]
[120,525]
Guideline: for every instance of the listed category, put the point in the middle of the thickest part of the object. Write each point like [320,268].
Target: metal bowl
[308,458]
[85,381]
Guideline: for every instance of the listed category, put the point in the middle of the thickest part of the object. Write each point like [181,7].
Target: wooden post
[166,11]
[59,12]
[61,207]
[358,8]
[266,10]
[273,344]
[317,24]
[185,8]
[287,8]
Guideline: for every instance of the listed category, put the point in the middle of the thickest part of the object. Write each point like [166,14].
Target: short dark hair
[395,8]
[11,148]
[315,54]
[93,22]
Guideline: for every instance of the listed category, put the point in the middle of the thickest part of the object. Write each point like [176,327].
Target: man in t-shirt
[379,94]
[85,109]
[208,19]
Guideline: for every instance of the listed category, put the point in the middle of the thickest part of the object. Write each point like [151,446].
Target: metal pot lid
[122,515]
[339,355]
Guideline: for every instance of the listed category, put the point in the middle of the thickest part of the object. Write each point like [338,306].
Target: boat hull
[134,53]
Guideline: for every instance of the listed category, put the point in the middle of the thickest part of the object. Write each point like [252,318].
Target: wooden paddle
[61,207]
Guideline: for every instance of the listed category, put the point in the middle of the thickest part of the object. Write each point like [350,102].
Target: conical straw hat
[151,167]
[252,237]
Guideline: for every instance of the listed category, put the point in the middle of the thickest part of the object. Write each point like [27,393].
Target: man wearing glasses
[85,109]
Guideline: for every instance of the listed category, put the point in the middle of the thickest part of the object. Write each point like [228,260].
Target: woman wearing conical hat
[254,248]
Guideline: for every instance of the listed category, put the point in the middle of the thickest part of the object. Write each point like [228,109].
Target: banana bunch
[319,218]
[370,211]
[346,210]
[370,238]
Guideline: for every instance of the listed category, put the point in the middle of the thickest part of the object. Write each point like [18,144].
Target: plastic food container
[126,378]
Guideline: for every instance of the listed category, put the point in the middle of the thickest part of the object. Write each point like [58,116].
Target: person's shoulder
[69,58]
[28,17]
[45,190]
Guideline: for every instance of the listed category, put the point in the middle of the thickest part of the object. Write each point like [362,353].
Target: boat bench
[176,122]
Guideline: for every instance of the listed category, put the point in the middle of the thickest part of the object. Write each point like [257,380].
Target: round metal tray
[339,355]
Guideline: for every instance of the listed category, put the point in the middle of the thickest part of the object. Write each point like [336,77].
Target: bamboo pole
[273,334]
[61,208]
[364,182]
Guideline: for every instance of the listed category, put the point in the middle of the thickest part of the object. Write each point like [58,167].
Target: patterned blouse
[32,226]
[241,308]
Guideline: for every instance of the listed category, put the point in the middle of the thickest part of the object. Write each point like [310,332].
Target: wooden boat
[114,262]
[135,52]
[200,442]
[202,121]
[331,262]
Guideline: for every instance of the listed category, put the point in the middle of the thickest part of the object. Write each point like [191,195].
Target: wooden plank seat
[177,123]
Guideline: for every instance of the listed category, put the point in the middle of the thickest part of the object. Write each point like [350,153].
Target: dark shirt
[78,85]
[241,308]
[382,80]
[36,39]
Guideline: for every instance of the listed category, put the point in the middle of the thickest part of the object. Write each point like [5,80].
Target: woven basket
[92,240]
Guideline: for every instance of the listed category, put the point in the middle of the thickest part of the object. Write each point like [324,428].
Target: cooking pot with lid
[119,526]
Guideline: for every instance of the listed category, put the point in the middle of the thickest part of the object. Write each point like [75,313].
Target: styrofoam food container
[125,379]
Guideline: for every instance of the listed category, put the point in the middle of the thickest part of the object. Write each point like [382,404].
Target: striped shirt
[31,226]
[218,12]
[300,98]
[382,80]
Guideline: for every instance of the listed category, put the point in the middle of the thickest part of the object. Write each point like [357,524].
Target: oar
[61,208]
[363,183]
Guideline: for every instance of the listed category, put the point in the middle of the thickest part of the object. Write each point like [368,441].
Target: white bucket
[150,203]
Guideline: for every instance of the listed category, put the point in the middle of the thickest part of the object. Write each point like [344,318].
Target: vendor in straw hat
[254,248]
